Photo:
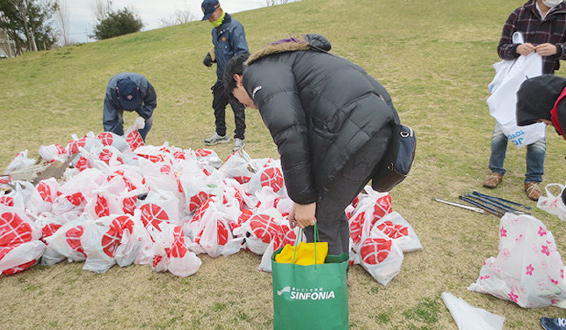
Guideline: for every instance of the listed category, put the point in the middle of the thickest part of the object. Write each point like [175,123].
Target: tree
[62,18]
[27,22]
[276,2]
[102,9]
[180,16]
[116,24]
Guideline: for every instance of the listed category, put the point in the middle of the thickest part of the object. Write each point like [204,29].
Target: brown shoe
[533,190]
[493,180]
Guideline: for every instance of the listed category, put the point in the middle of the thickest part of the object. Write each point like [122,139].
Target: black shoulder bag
[397,161]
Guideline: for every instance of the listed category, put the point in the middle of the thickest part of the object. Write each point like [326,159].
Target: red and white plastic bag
[65,243]
[394,226]
[170,253]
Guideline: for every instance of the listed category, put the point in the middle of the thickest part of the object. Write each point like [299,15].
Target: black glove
[207,61]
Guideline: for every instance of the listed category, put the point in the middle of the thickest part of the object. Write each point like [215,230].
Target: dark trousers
[330,208]
[219,102]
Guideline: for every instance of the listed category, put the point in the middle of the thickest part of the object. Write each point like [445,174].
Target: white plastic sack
[502,102]
[16,258]
[99,244]
[528,269]
[471,318]
[16,227]
[65,243]
[394,226]
[170,253]
[18,196]
[260,230]
[43,196]
[115,140]
[553,204]
[20,162]
[239,167]
[54,152]
[381,258]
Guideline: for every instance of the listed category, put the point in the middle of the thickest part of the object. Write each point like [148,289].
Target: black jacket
[319,108]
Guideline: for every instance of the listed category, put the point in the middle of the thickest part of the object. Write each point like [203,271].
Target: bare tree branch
[62,18]
[180,16]
[276,2]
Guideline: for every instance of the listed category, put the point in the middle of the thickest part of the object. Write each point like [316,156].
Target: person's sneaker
[557,323]
[493,180]
[215,139]
[533,190]
[238,144]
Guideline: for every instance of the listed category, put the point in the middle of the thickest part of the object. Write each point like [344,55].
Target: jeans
[330,213]
[536,153]
[219,103]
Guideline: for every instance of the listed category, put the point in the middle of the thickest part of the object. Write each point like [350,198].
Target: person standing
[128,91]
[331,121]
[229,40]
[543,25]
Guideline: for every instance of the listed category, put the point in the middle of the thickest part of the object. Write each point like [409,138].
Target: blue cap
[208,7]
[129,94]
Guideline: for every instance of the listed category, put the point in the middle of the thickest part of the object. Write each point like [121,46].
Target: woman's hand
[302,215]
[546,49]
[525,49]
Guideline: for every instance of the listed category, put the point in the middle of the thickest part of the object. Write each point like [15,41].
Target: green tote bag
[310,297]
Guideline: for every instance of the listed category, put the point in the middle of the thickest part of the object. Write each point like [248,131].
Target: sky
[82,19]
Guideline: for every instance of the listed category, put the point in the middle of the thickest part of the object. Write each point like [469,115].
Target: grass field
[435,59]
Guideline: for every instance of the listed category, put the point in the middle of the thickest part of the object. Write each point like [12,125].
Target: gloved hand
[139,123]
[207,61]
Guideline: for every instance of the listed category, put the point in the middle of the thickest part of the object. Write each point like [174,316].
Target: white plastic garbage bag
[53,152]
[394,226]
[471,318]
[502,102]
[19,257]
[170,253]
[528,269]
[21,161]
[551,203]
[65,243]
[16,227]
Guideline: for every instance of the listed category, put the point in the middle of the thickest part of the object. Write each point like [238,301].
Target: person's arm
[507,50]
[110,113]
[238,40]
[272,86]
[209,58]
[149,101]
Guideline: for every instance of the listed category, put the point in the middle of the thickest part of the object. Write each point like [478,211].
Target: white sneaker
[215,139]
[238,144]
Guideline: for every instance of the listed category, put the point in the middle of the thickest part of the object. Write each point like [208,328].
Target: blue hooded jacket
[229,40]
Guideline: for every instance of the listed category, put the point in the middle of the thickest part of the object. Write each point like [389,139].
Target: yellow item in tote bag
[304,254]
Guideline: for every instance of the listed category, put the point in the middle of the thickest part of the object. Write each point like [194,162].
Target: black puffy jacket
[319,108]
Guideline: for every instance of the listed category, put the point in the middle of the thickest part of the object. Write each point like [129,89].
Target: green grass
[434,57]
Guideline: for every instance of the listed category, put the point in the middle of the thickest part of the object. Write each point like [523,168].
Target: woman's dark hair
[234,66]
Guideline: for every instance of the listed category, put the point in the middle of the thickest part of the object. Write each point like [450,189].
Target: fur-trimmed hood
[292,44]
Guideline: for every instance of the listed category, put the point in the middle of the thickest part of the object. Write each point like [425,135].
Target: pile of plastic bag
[123,202]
